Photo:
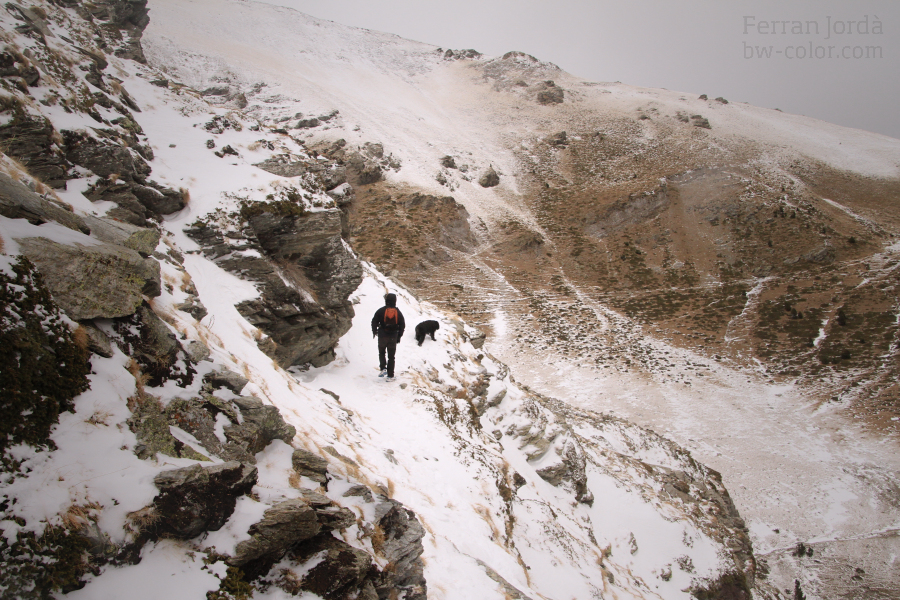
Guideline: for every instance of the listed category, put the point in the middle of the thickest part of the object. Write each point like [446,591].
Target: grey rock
[340,570]
[88,282]
[30,140]
[403,549]
[822,256]
[98,342]
[284,525]
[140,239]
[361,491]
[147,339]
[19,202]
[283,165]
[197,351]
[489,178]
[227,379]
[194,308]
[262,425]
[197,499]
[103,157]
[310,465]
[158,201]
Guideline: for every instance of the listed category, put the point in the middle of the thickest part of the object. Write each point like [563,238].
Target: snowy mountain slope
[647,298]
[489,537]
[165,477]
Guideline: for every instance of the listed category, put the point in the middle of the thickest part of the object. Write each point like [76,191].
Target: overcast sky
[836,61]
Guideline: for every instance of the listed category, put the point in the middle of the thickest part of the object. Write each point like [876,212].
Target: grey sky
[836,61]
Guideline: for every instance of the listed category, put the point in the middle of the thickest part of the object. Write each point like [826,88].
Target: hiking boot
[383,373]
[390,378]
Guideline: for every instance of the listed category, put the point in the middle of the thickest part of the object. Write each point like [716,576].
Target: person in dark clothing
[388,325]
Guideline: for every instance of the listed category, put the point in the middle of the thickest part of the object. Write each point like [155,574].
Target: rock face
[305,278]
[402,548]
[30,140]
[105,281]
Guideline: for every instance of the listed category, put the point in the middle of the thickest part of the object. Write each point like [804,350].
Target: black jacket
[378,322]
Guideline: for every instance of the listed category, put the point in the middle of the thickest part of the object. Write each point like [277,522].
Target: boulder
[227,379]
[489,178]
[283,526]
[19,202]
[88,282]
[197,499]
[310,465]
[261,425]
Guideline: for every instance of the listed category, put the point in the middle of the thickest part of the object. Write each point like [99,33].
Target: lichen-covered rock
[150,423]
[19,202]
[87,282]
[41,367]
[196,499]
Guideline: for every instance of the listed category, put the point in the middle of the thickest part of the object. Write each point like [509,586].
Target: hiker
[388,324]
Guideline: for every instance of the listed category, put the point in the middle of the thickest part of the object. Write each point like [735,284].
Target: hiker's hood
[390,299]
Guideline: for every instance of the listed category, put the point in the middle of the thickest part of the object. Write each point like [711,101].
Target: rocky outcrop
[88,282]
[310,465]
[30,140]
[196,499]
[403,549]
[305,278]
[340,570]
[260,426]
[150,342]
[19,202]
[286,526]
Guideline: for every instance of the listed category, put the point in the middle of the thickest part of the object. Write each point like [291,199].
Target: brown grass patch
[80,335]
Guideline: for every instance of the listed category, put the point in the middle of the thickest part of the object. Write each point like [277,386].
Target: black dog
[426,328]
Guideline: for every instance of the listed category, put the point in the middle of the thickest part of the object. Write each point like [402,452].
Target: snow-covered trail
[796,473]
